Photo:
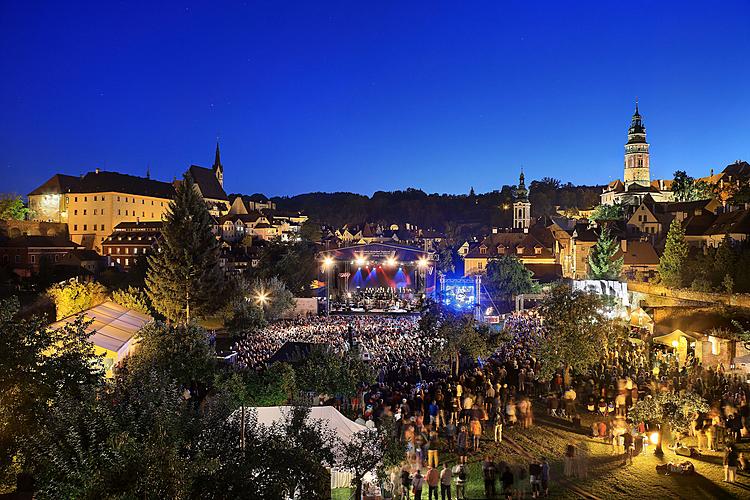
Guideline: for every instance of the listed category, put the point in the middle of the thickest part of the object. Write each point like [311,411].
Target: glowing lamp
[262,298]
[422,263]
[327,262]
[654,437]
[675,343]
[360,261]
[391,261]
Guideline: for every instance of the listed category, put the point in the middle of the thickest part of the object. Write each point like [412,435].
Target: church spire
[217,158]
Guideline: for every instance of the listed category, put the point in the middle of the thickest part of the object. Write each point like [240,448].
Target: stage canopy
[376,254]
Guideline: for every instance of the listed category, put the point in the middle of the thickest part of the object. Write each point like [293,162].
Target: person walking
[446,476]
[405,482]
[461,478]
[433,480]
[730,464]
[545,476]
[416,484]
[507,479]
[535,479]
[489,473]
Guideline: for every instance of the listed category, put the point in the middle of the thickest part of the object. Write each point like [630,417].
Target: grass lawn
[607,477]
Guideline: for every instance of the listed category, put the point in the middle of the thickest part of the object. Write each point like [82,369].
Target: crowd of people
[391,343]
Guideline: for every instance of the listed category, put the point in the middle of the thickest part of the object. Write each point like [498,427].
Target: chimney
[712,172]
[624,245]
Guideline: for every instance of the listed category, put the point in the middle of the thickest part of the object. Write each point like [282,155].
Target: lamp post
[656,438]
[262,299]
[327,266]
[422,269]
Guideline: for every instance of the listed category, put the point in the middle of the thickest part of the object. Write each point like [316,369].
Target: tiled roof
[638,253]
[143,226]
[731,222]
[38,242]
[58,184]
[207,182]
[103,182]
[510,242]
[248,217]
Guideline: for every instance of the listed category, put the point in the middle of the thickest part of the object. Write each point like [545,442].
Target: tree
[12,207]
[183,351]
[292,262]
[724,264]
[446,261]
[39,367]
[461,335]
[370,450]
[277,299]
[75,296]
[575,333]
[327,372]
[506,276]
[669,408]
[184,279]
[310,231]
[615,211]
[686,188]
[672,261]
[132,298]
[602,264]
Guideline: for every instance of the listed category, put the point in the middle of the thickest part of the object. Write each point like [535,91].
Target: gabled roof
[206,180]
[248,217]
[738,169]
[103,182]
[638,253]
[511,242]
[38,242]
[58,184]
[737,222]
[84,255]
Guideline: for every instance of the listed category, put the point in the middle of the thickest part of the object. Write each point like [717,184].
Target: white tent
[330,416]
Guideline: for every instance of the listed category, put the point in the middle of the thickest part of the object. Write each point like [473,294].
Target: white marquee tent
[330,416]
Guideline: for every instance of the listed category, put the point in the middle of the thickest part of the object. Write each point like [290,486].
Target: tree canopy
[75,296]
[602,264]
[184,279]
[672,261]
[506,276]
[12,207]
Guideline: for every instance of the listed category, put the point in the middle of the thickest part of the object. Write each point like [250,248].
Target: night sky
[355,96]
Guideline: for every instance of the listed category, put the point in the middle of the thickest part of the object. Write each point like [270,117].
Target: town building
[209,182]
[533,248]
[521,207]
[26,255]
[130,241]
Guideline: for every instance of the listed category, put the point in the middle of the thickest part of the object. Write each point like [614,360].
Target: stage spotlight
[360,261]
[422,263]
[391,261]
[327,262]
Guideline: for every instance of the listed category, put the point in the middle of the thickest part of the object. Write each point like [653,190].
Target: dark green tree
[12,207]
[602,264]
[608,212]
[686,188]
[724,264]
[292,262]
[576,333]
[672,261]
[506,276]
[184,279]
[310,231]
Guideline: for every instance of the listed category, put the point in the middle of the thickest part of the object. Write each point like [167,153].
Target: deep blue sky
[355,96]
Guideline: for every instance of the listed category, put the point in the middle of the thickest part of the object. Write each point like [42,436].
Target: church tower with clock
[636,153]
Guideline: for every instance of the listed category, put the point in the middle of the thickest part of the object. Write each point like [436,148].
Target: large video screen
[459,294]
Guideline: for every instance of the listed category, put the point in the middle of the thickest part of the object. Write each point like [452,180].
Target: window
[143,214]
[102,211]
[75,227]
[519,250]
[18,259]
[33,258]
[75,198]
[85,198]
[126,212]
[75,212]
[84,211]
[152,202]
[135,250]
[152,215]
[127,250]
[118,212]
[126,262]
[118,198]
[483,250]
[118,260]
[143,202]
[67,200]
[96,212]
[109,250]
[84,227]
[94,197]
[537,250]
[102,198]
[57,257]
[102,227]
[162,203]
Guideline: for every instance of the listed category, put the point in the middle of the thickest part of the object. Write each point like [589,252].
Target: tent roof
[112,325]
[675,335]
[342,426]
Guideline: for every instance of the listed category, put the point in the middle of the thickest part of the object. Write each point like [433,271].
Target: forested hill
[437,210]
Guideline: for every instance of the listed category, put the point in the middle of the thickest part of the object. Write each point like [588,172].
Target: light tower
[521,207]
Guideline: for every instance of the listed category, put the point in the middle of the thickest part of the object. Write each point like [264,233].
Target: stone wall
[16,228]
[658,291]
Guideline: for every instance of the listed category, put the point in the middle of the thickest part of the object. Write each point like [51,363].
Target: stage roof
[377,252]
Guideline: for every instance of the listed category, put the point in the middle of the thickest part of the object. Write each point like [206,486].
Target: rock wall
[16,228]
[655,293]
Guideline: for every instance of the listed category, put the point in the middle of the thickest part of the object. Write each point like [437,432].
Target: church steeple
[522,206]
[218,168]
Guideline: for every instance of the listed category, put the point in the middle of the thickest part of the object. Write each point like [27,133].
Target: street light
[262,298]
[655,438]
[328,265]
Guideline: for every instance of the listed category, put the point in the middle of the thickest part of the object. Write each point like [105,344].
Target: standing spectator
[433,480]
[405,482]
[507,479]
[476,433]
[416,484]
[461,444]
[432,452]
[460,471]
[545,476]
[730,464]
[535,479]
[445,482]
[450,435]
[489,473]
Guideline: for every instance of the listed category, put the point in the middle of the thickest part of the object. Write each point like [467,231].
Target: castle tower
[636,153]
[218,168]
[522,206]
